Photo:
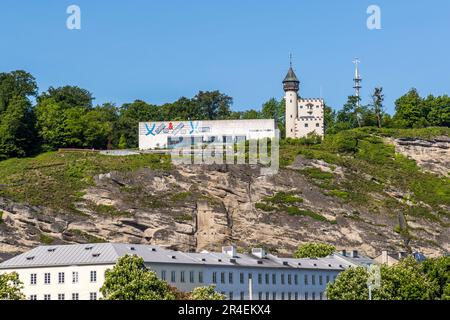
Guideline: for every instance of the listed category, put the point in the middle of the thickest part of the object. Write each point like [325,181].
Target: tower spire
[357,80]
[290,60]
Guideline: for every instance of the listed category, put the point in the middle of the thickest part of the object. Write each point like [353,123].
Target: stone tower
[291,85]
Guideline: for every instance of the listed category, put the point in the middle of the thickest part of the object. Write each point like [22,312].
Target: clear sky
[158,50]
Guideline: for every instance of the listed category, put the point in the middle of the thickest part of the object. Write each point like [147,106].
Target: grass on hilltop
[372,167]
[55,180]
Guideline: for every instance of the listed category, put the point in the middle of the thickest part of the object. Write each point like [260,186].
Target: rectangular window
[163,275]
[75,296]
[296,296]
[191,276]
[306,295]
[296,279]
[259,295]
[306,279]
[241,277]
[320,280]
[47,297]
[172,276]
[306,125]
[93,276]
[267,296]
[250,276]
[222,277]
[274,296]
[33,278]
[274,278]
[230,296]
[313,280]
[334,278]
[328,279]
[282,296]
[93,296]
[47,278]
[182,276]
[242,295]
[259,279]
[289,279]
[33,297]
[75,277]
[267,276]
[61,296]
[282,278]
[214,277]
[321,296]
[61,277]
[230,278]
[200,277]
[313,296]
[289,296]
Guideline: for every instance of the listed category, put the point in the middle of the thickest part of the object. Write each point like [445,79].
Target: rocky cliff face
[204,207]
[431,155]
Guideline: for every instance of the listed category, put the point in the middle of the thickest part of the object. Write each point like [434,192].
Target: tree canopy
[403,281]
[11,287]
[131,280]
[314,250]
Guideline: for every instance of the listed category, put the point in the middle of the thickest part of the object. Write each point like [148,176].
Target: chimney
[259,252]
[355,254]
[344,253]
[230,251]
[384,257]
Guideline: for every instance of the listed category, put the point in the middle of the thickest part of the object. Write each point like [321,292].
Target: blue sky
[159,51]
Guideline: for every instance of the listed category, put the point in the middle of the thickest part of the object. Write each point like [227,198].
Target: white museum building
[76,272]
[168,134]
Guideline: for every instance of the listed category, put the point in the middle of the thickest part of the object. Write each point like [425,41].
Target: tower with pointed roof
[291,85]
[303,116]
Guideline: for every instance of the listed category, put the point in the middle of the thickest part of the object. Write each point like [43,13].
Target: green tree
[11,287]
[409,111]
[377,104]
[17,130]
[122,142]
[329,119]
[69,96]
[349,116]
[314,250]
[350,284]
[131,280]
[250,114]
[438,271]
[274,109]
[403,281]
[206,293]
[214,105]
[439,110]
[15,84]
[130,114]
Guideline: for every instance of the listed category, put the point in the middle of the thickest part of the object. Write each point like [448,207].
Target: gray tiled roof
[109,253]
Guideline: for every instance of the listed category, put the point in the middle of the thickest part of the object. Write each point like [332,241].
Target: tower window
[291,101]
[306,125]
[317,125]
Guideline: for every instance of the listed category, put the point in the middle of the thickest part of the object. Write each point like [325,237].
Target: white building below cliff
[76,272]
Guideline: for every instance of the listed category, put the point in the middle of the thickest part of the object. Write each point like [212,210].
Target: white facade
[72,273]
[168,134]
[62,283]
[303,116]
